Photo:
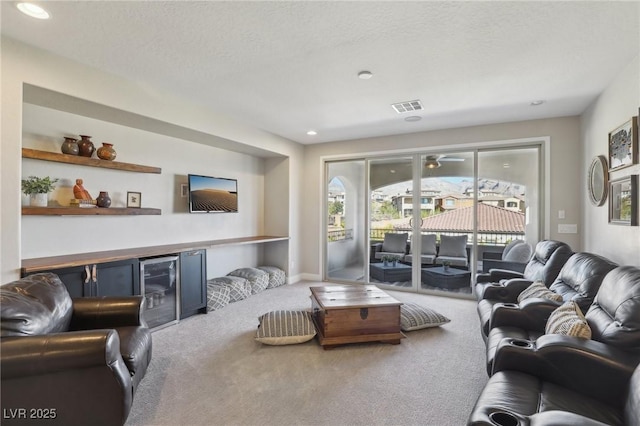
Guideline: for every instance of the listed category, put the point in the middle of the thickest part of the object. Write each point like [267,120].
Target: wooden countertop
[80,259]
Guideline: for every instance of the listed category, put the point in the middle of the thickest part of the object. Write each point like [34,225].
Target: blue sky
[204,182]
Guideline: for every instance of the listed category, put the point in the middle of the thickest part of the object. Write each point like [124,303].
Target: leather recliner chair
[504,286]
[83,358]
[562,380]
[579,281]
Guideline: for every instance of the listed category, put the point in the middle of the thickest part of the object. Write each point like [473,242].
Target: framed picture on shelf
[623,145]
[134,200]
[623,201]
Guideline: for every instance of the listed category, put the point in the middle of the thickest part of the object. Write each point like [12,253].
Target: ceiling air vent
[408,106]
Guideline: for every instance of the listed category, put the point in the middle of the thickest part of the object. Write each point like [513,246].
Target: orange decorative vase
[106,152]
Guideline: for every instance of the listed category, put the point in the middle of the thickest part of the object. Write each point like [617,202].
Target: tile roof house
[490,219]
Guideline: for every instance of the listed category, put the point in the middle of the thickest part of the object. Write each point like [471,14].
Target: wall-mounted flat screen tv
[212,194]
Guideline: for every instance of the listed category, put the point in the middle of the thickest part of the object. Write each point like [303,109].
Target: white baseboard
[303,277]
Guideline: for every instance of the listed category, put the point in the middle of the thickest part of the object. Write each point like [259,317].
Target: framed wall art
[623,201]
[623,145]
[134,200]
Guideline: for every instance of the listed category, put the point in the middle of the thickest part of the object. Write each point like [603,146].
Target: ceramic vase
[103,199]
[446,268]
[106,152]
[70,146]
[86,146]
[39,200]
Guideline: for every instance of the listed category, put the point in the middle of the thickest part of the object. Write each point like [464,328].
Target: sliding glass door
[345,213]
[429,221]
[391,220]
[447,218]
[509,206]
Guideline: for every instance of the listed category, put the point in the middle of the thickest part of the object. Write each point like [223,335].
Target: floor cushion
[239,288]
[415,317]
[218,296]
[277,277]
[285,328]
[258,279]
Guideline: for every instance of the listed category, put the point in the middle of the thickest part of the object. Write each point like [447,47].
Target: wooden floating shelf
[81,211]
[85,161]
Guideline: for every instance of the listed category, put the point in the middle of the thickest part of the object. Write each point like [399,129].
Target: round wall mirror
[598,180]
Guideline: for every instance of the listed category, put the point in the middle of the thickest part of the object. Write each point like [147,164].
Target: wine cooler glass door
[160,285]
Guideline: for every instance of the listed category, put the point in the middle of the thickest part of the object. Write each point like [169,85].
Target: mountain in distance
[444,185]
[455,186]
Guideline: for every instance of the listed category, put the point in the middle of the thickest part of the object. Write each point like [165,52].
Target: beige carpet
[208,370]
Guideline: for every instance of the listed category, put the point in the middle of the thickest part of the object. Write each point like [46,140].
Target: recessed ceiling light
[506,165]
[413,118]
[312,133]
[536,103]
[365,75]
[392,171]
[33,10]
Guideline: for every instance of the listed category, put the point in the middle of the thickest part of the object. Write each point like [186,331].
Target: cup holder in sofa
[521,343]
[502,418]
[511,305]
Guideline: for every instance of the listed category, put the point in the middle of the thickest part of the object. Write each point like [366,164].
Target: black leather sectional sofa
[545,378]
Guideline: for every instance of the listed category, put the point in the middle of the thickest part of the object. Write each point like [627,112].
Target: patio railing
[340,234]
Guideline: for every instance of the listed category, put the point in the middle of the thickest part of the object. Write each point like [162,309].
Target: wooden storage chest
[355,314]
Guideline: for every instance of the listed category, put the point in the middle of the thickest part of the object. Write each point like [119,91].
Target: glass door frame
[544,214]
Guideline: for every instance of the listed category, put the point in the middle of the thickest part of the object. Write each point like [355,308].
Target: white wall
[22,65]
[564,134]
[619,102]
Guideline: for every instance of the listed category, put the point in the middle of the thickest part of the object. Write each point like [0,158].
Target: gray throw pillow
[569,321]
[429,244]
[395,243]
[453,246]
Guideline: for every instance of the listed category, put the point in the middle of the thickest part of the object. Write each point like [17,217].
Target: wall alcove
[263,179]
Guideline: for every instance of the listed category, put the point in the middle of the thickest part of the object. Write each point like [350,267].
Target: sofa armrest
[78,377]
[503,265]
[91,313]
[505,291]
[498,274]
[585,366]
[52,353]
[530,314]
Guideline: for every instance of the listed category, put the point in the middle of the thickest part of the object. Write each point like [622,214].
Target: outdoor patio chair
[394,244]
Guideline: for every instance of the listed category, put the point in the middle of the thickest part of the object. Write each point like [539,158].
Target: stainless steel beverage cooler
[160,286]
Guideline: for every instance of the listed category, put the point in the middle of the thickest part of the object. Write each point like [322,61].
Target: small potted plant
[389,258]
[38,189]
[446,264]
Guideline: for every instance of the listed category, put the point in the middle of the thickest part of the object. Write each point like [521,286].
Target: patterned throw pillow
[259,279]
[568,320]
[218,296]
[277,277]
[239,288]
[537,290]
[415,317]
[285,328]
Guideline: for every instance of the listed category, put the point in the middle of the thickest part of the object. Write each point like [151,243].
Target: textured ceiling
[287,67]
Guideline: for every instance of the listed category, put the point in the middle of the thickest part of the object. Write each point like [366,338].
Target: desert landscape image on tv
[213,194]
